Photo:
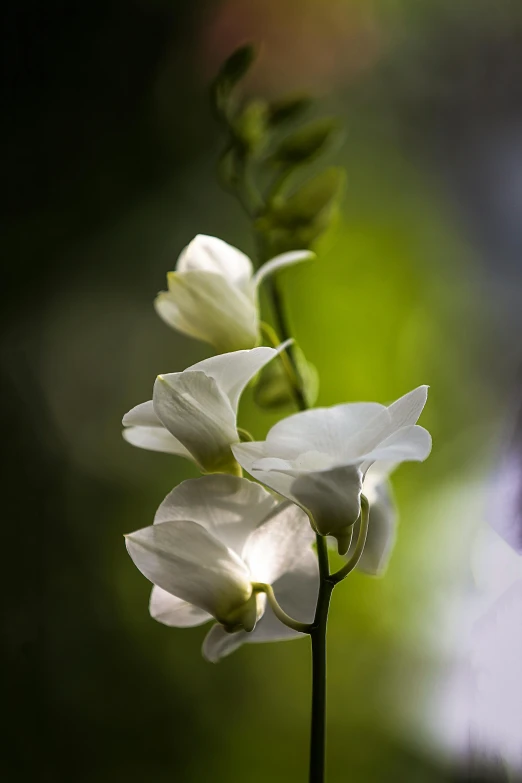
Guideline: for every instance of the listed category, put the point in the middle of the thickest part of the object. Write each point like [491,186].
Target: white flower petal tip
[280,262]
[193,413]
[320,457]
[214,539]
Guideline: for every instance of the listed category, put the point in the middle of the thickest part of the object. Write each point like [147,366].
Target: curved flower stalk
[382,525]
[213,294]
[217,542]
[319,458]
[193,413]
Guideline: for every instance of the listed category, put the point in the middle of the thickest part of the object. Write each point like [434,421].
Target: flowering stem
[271,334]
[318,637]
[284,332]
[279,612]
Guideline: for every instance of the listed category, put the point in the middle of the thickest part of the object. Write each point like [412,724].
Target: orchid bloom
[215,540]
[193,413]
[213,294]
[319,458]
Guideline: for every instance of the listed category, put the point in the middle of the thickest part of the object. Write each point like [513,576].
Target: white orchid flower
[213,294]
[193,413]
[213,541]
[319,458]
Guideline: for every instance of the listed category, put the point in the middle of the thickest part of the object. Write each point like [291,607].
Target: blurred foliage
[109,152]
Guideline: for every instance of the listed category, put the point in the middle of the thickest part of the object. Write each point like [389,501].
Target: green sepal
[231,72]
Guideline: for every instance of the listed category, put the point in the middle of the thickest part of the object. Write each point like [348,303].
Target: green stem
[279,611]
[284,332]
[318,637]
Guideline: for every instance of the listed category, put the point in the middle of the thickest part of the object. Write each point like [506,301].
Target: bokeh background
[109,170]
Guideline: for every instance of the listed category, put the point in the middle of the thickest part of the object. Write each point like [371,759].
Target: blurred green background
[109,171]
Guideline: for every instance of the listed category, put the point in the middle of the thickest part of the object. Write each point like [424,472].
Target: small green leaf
[237,65]
[306,143]
[288,109]
[230,73]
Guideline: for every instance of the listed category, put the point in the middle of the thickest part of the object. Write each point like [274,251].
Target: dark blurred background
[109,152]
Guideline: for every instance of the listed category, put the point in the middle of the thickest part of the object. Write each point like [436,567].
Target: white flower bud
[213,294]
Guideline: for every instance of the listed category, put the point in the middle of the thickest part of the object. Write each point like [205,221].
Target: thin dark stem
[318,727]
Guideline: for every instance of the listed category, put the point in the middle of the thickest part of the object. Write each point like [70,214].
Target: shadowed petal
[194,410]
[185,560]
[169,610]
[218,643]
[155,439]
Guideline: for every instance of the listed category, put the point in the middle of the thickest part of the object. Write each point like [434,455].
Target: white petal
[169,610]
[185,560]
[278,543]
[232,371]
[296,592]
[206,306]
[218,643]
[210,254]
[331,496]
[247,454]
[281,261]
[325,430]
[407,409]
[381,533]
[193,408]
[227,506]
[408,444]
[142,415]
[155,439]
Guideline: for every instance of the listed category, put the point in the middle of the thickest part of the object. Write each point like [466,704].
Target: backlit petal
[228,507]
[278,543]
